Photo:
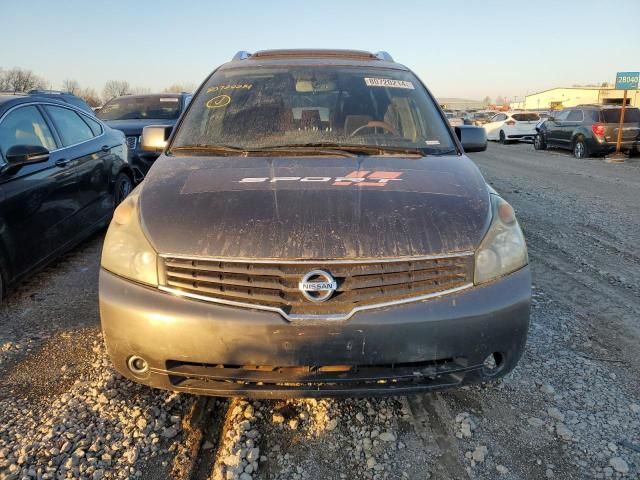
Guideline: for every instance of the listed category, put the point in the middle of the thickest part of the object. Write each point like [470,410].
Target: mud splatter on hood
[314,207]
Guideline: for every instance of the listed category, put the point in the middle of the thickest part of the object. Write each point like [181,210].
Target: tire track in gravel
[583,237]
[64,295]
[578,382]
[429,416]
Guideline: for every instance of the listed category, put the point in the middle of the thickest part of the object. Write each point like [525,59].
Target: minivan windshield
[161,107]
[309,106]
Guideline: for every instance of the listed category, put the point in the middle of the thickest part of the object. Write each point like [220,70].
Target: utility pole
[620,127]
[624,81]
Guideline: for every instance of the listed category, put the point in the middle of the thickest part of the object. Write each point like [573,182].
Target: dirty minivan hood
[314,207]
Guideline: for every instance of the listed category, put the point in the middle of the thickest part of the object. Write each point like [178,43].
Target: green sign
[627,80]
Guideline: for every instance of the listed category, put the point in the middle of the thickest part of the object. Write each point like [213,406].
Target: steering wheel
[375,124]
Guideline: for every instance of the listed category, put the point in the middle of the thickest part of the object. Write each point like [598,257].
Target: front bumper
[204,348]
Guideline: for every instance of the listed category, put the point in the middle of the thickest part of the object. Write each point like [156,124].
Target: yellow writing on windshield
[220,88]
[219,101]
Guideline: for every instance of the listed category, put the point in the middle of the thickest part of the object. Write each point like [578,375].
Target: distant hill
[461,103]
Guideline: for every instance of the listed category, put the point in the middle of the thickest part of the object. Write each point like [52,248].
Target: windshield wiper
[319,148]
[232,150]
[438,153]
[348,148]
[222,149]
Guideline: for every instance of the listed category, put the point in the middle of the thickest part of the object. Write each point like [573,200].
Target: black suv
[131,113]
[590,130]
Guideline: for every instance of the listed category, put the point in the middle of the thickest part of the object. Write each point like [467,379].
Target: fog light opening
[137,365]
[493,364]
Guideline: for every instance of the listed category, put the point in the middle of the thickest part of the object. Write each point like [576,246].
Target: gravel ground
[570,410]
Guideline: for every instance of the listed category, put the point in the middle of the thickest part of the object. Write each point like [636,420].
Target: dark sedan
[62,172]
[131,113]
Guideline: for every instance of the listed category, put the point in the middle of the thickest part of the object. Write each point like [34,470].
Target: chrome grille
[274,285]
[132,142]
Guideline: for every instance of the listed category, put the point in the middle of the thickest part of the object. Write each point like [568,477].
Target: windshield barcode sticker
[168,99]
[388,82]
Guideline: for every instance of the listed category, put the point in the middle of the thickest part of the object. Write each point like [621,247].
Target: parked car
[480,118]
[314,228]
[512,126]
[56,95]
[543,116]
[590,130]
[62,172]
[131,113]
[455,119]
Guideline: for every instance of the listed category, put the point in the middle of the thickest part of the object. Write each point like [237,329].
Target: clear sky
[460,48]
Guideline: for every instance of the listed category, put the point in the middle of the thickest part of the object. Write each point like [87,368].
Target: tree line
[499,101]
[19,80]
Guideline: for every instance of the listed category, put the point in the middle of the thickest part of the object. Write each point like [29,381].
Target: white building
[557,98]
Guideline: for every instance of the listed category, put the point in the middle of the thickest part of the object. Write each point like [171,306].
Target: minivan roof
[314,57]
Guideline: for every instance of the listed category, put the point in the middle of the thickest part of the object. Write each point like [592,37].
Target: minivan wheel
[580,149]
[122,188]
[503,138]
[539,143]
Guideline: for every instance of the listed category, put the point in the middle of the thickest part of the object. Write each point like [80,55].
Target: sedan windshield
[262,108]
[143,107]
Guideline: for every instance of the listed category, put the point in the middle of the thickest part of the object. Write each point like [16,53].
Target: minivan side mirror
[473,139]
[154,137]
[19,155]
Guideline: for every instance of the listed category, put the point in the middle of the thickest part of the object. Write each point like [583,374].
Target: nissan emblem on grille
[317,286]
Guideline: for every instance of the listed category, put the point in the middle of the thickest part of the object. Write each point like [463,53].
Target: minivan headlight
[126,250]
[503,249]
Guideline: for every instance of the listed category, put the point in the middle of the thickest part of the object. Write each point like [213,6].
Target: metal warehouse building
[562,97]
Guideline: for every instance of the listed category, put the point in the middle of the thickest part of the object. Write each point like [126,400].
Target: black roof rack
[314,53]
[241,55]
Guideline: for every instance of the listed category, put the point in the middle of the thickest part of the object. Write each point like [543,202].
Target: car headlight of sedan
[126,250]
[503,249]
